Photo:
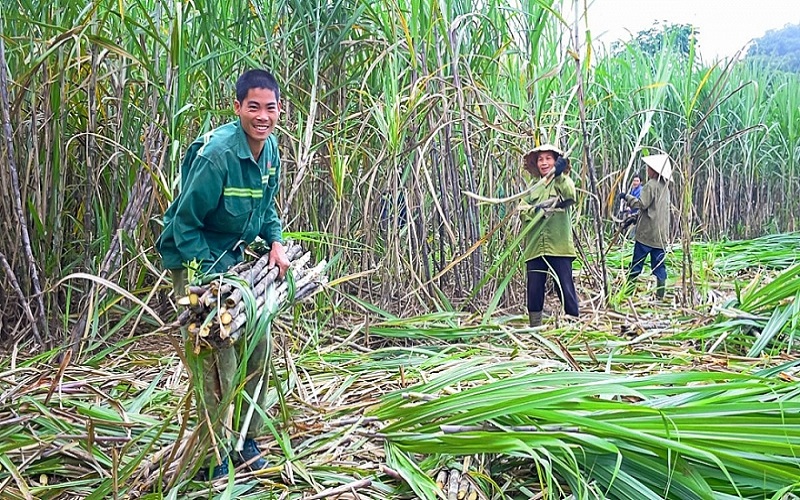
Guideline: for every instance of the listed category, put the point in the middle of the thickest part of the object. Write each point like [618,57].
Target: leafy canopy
[674,37]
[779,48]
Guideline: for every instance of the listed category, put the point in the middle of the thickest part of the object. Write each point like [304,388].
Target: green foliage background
[778,48]
[416,100]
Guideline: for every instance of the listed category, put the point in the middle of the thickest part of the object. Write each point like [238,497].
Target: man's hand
[561,165]
[277,257]
[622,196]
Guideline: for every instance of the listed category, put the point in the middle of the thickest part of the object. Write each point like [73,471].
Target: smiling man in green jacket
[229,180]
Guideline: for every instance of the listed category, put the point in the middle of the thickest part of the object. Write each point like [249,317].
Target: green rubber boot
[535,318]
[661,289]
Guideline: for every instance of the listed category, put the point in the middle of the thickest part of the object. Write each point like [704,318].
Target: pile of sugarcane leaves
[639,400]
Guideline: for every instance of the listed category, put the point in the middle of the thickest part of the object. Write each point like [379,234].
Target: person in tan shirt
[549,248]
[652,227]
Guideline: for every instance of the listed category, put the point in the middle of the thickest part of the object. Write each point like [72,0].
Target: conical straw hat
[532,156]
[659,163]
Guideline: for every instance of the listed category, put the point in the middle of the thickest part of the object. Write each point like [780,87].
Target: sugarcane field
[355,249]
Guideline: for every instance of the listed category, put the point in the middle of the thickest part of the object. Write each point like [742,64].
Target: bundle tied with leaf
[218,308]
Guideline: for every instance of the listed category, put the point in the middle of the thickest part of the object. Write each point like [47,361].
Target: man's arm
[201,193]
[271,227]
[644,201]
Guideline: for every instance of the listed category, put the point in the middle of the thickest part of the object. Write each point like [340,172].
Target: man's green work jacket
[227,198]
[555,237]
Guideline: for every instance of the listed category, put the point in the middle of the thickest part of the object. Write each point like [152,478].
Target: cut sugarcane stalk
[452,484]
[441,477]
[463,487]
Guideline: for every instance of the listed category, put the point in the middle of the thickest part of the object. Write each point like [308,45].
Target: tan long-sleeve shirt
[652,228]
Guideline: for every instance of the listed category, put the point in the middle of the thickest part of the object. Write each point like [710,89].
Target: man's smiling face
[258,114]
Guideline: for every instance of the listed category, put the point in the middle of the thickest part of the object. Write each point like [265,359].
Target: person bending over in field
[636,192]
[629,213]
[229,180]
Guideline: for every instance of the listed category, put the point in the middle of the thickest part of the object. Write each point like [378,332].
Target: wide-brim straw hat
[659,163]
[531,158]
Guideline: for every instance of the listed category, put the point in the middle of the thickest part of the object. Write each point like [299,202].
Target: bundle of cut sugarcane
[457,484]
[216,312]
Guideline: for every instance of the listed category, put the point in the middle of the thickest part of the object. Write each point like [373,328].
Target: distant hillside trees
[779,48]
[675,37]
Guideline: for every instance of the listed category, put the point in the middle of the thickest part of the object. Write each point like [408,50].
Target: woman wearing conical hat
[652,227]
[549,249]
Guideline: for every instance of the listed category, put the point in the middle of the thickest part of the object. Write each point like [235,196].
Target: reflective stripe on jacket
[227,198]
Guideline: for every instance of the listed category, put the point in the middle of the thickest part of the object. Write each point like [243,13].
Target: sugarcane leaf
[777,322]
[419,482]
[6,462]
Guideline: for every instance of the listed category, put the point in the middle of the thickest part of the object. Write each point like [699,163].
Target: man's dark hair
[256,79]
[636,176]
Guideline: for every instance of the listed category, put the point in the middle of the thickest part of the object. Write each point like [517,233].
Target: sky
[725,26]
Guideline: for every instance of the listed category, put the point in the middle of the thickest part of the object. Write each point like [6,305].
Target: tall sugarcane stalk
[587,154]
[38,327]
